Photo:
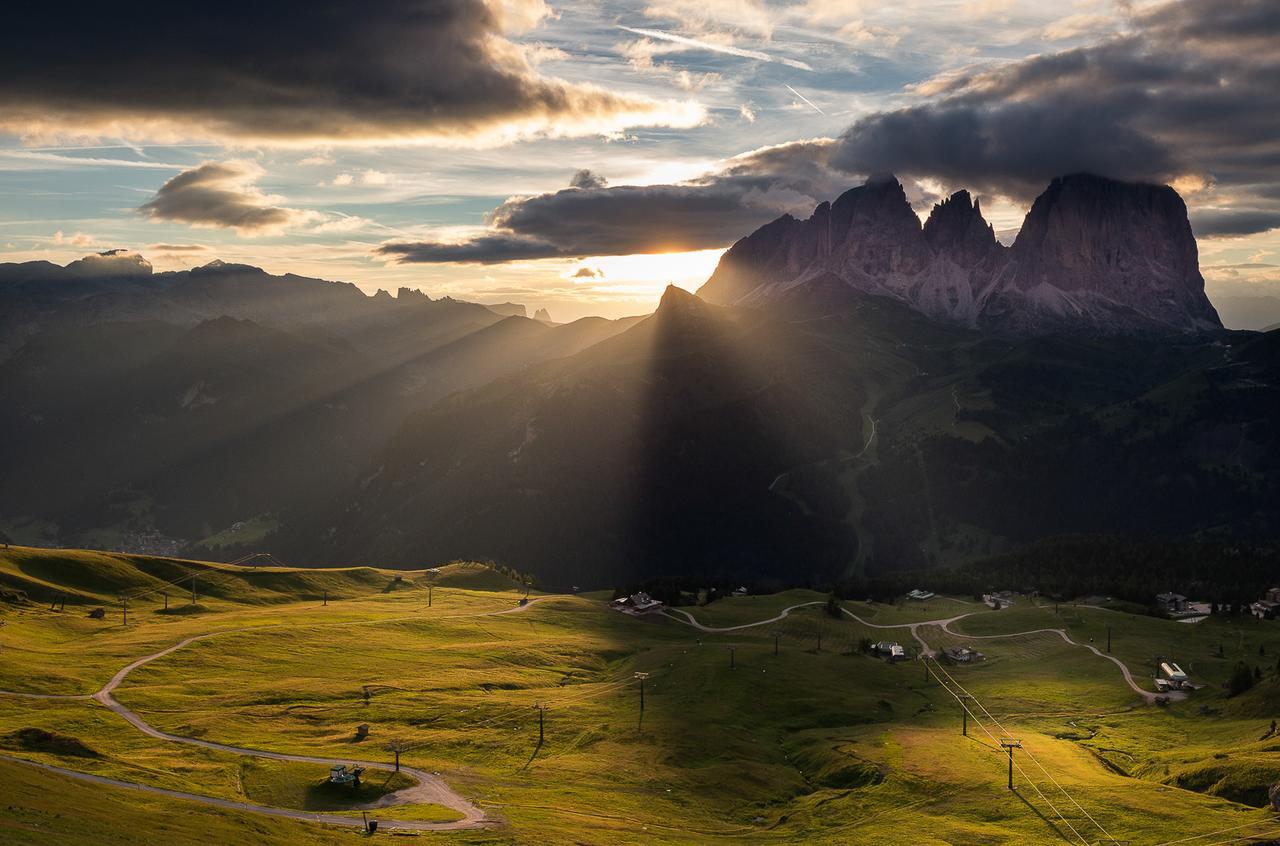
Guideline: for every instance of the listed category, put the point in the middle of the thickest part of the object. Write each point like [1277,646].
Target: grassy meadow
[737,744]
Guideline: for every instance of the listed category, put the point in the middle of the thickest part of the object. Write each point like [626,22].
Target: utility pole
[964,714]
[1108,640]
[326,597]
[126,609]
[1010,744]
[819,640]
[732,650]
[193,588]
[429,595]
[642,677]
[542,710]
[925,659]
[166,601]
[775,644]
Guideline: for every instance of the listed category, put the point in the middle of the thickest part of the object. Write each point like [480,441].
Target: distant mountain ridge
[1093,254]
[140,405]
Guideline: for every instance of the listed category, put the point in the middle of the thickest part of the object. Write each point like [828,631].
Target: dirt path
[1149,696]
[925,649]
[945,625]
[430,789]
[690,621]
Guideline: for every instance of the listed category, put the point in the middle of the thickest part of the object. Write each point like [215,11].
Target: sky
[578,156]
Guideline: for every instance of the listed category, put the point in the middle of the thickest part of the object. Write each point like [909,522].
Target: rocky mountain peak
[1094,254]
[955,227]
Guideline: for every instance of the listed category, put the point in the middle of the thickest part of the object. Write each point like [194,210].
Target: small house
[963,654]
[741,591]
[891,650]
[97,613]
[920,595]
[362,731]
[1273,595]
[1171,603]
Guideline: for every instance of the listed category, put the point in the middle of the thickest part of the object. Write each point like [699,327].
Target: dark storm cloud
[293,71]
[586,179]
[712,211]
[1192,88]
[1244,222]
[219,194]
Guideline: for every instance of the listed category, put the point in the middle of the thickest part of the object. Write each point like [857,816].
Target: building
[1172,603]
[1273,595]
[920,594]
[1172,675]
[964,655]
[742,591]
[636,603]
[891,650]
[1265,609]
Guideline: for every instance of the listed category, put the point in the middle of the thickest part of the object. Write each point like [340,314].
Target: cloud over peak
[402,71]
[1188,92]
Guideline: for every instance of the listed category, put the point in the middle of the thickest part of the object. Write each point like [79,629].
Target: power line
[1027,752]
[1018,766]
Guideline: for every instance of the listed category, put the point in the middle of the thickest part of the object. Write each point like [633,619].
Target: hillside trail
[430,789]
[944,624]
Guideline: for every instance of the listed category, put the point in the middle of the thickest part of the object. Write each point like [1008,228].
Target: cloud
[1236,222]
[1188,93]
[586,179]
[178,248]
[365,177]
[711,211]
[587,273]
[221,194]
[403,71]
[79,239]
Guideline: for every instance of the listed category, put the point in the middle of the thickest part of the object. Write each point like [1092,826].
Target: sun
[650,273]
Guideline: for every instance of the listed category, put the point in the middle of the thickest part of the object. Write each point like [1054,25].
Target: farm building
[891,650]
[636,603]
[1173,603]
[964,655]
[920,594]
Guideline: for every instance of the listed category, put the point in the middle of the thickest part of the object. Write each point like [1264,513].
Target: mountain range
[849,394]
[1093,254]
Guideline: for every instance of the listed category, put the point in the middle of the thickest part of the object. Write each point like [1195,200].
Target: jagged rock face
[1107,248]
[1093,254]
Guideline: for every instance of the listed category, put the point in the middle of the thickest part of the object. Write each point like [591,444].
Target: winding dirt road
[430,789]
[945,625]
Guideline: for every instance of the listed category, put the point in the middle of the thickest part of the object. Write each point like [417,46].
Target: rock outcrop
[1094,254]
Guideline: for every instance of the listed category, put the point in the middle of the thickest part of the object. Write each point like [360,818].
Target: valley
[764,719]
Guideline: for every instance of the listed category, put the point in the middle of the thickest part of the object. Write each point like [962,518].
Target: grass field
[737,743]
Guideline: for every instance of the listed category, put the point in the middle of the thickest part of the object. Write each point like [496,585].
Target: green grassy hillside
[817,743]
